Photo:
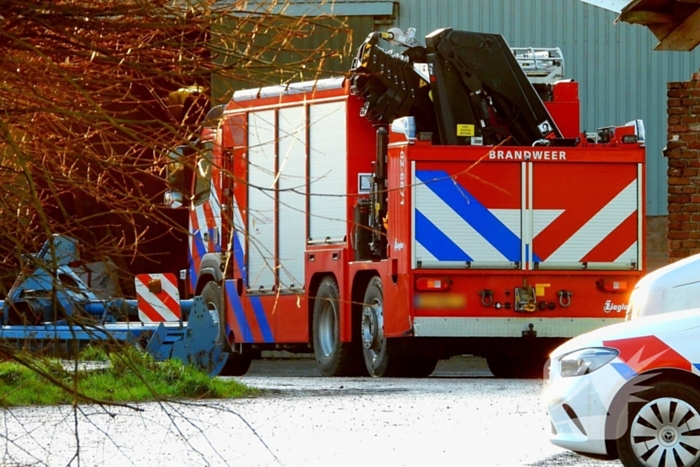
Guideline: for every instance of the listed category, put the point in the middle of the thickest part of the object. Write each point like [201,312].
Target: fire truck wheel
[237,363]
[211,294]
[375,347]
[333,357]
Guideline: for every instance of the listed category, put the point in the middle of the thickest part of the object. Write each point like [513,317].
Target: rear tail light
[433,284]
[613,285]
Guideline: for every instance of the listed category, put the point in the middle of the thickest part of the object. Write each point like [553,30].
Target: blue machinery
[50,305]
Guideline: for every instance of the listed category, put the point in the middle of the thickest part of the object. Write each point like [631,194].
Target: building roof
[676,23]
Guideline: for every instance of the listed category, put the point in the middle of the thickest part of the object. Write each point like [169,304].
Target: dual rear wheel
[371,349]
[333,357]
[369,352]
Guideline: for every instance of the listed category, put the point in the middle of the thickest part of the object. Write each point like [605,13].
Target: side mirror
[175,169]
[178,176]
[173,199]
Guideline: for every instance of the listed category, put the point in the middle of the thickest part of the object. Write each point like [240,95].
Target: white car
[673,287]
[630,390]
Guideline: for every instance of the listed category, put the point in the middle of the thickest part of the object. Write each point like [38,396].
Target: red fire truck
[440,200]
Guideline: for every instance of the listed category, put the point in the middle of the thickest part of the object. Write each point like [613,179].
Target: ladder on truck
[542,65]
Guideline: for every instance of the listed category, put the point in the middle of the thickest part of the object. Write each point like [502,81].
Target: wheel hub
[372,327]
[326,328]
[369,327]
[668,436]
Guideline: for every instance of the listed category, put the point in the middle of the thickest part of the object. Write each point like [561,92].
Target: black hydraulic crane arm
[475,91]
[480,89]
[389,85]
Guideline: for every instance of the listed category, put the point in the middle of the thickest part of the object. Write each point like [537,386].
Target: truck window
[202,186]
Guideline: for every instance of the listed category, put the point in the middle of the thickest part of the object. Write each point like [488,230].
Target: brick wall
[657,242]
[683,153]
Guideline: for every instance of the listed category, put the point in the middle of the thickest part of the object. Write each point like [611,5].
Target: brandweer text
[528,155]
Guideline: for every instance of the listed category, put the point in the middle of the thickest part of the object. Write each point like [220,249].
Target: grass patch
[130,376]
[94,353]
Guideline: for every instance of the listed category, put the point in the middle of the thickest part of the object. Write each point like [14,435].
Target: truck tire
[375,346]
[333,357]
[664,426]
[237,363]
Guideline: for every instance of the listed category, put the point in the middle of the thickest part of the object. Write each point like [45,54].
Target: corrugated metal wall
[620,76]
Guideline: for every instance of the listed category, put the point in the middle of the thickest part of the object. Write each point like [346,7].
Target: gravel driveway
[460,416]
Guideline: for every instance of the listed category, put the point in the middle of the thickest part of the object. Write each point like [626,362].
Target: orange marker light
[437,284]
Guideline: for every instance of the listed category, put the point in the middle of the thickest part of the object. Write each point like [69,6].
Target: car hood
[656,325]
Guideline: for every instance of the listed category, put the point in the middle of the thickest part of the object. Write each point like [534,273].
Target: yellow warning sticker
[465,130]
[539,289]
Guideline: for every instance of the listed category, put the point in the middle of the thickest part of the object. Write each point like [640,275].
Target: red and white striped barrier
[158,298]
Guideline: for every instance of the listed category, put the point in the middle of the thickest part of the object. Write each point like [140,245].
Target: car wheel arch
[643,380]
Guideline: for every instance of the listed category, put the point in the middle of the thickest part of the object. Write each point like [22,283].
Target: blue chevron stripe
[436,242]
[193,272]
[237,306]
[624,370]
[199,244]
[258,310]
[473,212]
[217,244]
